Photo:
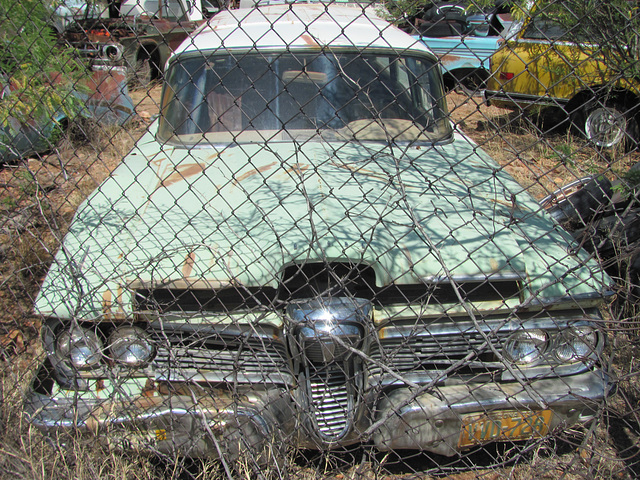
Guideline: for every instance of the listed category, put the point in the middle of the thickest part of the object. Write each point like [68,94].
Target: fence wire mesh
[319,239]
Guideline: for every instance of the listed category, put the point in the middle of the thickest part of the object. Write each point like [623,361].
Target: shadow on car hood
[239,215]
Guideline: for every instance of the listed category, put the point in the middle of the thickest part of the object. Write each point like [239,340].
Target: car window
[544,29]
[171,9]
[557,25]
[337,95]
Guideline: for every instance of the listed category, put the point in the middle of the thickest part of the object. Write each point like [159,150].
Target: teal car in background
[463,39]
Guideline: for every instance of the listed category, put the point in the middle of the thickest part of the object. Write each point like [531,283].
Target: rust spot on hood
[106,303]
[182,172]
[189,261]
[111,311]
[253,172]
[362,171]
[309,40]
[495,266]
[407,254]
[298,168]
[158,161]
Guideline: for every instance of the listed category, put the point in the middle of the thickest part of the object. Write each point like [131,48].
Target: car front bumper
[211,423]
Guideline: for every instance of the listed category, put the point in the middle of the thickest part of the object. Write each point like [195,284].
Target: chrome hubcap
[605,126]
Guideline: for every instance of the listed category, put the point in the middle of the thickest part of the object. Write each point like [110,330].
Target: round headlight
[575,344]
[131,346]
[80,346]
[525,346]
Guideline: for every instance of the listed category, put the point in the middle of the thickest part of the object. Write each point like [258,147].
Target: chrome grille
[435,350]
[330,401]
[326,331]
[208,355]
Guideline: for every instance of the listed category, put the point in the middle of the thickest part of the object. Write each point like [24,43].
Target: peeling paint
[253,172]
[106,303]
[493,263]
[189,261]
[182,172]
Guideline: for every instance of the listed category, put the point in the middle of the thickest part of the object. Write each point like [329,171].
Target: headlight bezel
[557,327]
[582,337]
[122,342]
[57,330]
[74,344]
[537,337]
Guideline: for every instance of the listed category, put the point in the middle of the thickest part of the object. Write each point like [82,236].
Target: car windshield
[303,96]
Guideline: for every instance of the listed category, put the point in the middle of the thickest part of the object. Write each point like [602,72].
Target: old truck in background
[137,34]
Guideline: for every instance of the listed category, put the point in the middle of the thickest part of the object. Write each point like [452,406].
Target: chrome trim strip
[501,96]
[491,277]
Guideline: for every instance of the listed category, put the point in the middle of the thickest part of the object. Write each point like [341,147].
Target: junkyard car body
[540,66]
[138,36]
[464,40]
[67,11]
[303,252]
[102,97]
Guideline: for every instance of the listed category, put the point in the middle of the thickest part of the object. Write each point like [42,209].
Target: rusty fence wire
[319,239]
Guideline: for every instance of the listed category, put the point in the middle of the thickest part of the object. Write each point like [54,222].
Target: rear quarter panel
[551,70]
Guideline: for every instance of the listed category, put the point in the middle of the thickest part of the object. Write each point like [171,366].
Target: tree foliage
[37,75]
[610,28]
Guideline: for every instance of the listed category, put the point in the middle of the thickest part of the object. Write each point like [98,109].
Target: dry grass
[539,160]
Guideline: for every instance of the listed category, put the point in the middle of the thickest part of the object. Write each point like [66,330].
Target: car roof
[298,26]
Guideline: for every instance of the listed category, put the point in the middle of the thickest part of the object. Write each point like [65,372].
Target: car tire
[608,125]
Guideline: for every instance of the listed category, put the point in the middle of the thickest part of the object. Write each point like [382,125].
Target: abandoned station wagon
[302,251]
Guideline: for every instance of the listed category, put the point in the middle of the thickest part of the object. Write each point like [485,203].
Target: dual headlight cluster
[84,349]
[569,345]
[132,347]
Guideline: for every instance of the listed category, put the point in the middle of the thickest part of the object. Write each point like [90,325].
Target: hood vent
[232,299]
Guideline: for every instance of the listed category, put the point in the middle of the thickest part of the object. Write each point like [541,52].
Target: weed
[8,203]
[26,182]
[564,153]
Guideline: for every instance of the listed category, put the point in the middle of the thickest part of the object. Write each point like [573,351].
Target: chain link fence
[297,240]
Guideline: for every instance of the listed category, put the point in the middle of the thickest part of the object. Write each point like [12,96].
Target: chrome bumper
[433,422]
[214,424]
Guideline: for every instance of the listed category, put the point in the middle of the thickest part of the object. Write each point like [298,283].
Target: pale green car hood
[209,217]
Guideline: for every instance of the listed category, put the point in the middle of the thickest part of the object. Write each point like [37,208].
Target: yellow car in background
[536,66]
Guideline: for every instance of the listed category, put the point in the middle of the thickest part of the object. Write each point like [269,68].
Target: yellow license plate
[503,425]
